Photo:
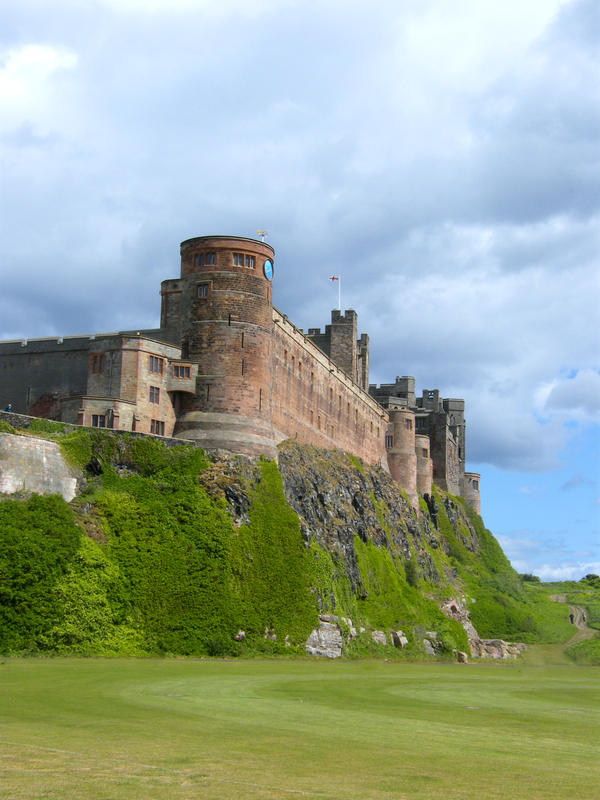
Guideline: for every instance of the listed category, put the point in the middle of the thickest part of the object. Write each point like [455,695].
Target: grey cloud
[579,393]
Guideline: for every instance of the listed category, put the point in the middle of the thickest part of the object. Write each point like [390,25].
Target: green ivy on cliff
[147,560]
[39,539]
[271,570]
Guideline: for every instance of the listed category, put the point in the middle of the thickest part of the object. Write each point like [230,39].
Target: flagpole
[340,293]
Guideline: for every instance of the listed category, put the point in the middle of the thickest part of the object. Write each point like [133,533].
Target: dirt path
[579,620]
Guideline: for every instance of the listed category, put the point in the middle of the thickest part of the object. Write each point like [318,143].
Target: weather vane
[262,235]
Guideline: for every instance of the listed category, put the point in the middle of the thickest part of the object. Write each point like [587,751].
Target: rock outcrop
[326,640]
[480,648]
[31,465]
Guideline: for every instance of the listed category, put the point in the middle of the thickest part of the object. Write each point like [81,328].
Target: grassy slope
[217,730]
[145,561]
[586,594]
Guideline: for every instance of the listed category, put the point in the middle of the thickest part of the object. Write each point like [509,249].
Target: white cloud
[26,75]
[567,571]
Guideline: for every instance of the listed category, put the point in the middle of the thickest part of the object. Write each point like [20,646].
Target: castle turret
[402,458]
[424,464]
[227,329]
[472,489]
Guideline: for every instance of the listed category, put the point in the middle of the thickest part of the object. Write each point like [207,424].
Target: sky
[441,156]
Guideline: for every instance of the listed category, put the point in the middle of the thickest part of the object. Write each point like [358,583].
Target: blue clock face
[268,269]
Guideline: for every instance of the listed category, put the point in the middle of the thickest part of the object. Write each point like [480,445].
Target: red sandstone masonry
[315,402]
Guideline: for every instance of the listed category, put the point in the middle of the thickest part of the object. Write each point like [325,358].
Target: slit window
[98,364]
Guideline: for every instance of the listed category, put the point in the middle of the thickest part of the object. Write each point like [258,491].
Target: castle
[229,370]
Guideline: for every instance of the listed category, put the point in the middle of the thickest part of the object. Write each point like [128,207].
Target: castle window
[242,339]
[98,363]
[340,402]
[155,364]
[200,259]
[238,260]
[203,290]
[424,452]
[389,441]
[312,377]
[158,427]
[319,423]
[312,417]
[179,371]
[331,395]
[300,368]
[408,424]
[243,366]
[250,261]
[154,394]
[260,399]
[476,484]
[98,420]
[285,357]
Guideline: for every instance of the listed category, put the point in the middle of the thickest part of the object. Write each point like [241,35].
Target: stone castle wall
[315,402]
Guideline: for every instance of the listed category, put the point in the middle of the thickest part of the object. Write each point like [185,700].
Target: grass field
[121,729]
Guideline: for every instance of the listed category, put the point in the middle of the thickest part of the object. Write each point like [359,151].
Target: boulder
[351,629]
[399,639]
[429,648]
[326,640]
[379,637]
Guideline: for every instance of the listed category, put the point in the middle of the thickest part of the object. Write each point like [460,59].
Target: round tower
[471,490]
[424,464]
[226,327]
[402,459]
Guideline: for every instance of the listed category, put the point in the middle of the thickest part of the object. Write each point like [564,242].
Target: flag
[334,278]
